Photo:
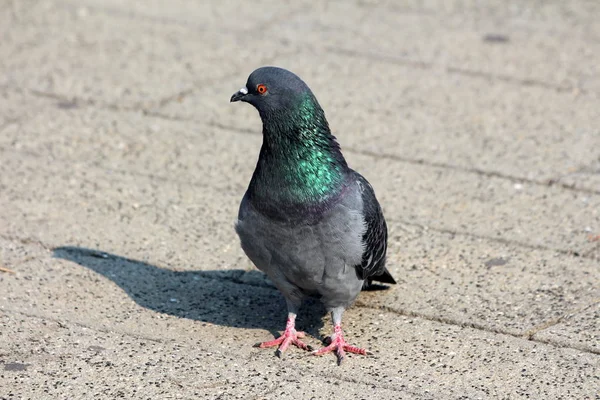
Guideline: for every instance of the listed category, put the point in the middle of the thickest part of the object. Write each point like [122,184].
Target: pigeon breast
[309,258]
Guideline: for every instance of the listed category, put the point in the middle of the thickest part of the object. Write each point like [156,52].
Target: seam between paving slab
[390,59]
[571,253]
[173,21]
[420,161]
[402,10]
[527,335]
[250,358]
[67,100]
[8,122]
[541,327]
[477,171]
[450,70]
[378,57]
[589,254]
[415,161]
[472,11]
[132,15]
[139,337]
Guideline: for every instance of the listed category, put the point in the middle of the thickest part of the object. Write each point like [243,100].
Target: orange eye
[261,89]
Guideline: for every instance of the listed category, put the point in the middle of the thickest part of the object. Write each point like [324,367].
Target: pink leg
[339,345]
[289,336]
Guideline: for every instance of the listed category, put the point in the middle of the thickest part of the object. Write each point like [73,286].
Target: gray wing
[374,239]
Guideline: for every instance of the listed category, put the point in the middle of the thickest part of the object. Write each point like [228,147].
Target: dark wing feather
[374,239]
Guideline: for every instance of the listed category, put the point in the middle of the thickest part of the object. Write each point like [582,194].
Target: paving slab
[202,154]
[588,176]
[168,222]
[515,130]
[127,143]
[116,213]
[510,41]
[442,276]
[485,284]
[424,360]
[226,16]
[45,292]
[122,166]
[117,60]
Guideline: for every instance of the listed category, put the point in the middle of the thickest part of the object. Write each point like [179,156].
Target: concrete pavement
[122,165]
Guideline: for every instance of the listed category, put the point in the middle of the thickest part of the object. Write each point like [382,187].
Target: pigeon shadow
[235,298]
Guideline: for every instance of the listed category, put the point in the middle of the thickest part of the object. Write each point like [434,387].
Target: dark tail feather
[385,277]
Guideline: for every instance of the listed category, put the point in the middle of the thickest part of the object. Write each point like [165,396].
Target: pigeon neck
[300,163]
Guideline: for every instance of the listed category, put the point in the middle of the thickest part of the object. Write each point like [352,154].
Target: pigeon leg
[337,343]
[289,336]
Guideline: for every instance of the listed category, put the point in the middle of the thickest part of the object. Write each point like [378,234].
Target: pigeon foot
[337,343]
[289,336]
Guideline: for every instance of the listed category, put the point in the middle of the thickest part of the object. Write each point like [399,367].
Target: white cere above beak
[244,90]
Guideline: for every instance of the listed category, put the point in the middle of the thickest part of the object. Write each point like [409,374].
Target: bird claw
[337,343]
[289,336]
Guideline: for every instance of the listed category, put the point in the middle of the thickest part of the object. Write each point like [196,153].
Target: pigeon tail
[385,277]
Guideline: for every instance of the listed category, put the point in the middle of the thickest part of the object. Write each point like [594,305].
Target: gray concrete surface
[122,164]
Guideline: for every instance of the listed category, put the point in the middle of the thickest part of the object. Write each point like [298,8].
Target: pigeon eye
[261,89]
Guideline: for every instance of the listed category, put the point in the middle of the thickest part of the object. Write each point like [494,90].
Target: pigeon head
[274,91]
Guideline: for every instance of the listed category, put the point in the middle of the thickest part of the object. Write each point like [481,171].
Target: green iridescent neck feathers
[303,157]
[300,163]
[300,159]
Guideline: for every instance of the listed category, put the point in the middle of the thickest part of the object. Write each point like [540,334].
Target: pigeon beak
[239,95]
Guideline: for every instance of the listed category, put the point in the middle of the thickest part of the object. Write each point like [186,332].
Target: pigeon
[307,220]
